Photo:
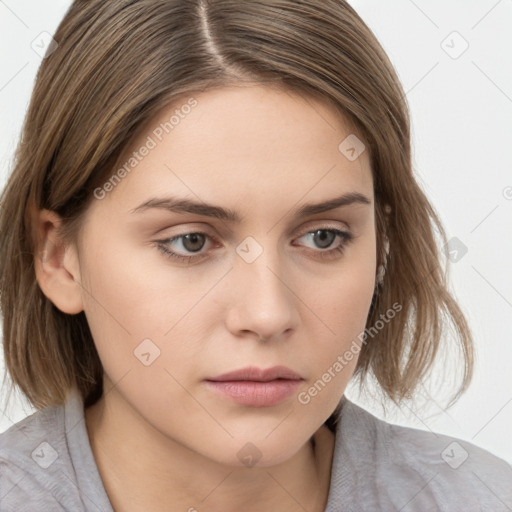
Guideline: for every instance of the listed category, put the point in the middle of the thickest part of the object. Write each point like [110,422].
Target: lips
[255,387]
[258,375]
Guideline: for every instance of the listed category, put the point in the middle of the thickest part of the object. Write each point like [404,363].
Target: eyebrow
[181,205]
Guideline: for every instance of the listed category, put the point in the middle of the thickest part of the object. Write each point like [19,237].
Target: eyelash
[347,238]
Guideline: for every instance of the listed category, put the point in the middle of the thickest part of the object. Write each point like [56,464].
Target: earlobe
[56,265]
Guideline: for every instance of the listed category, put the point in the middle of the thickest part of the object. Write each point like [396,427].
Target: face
[206,256]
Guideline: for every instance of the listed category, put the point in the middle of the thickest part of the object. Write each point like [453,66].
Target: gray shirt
[46,464]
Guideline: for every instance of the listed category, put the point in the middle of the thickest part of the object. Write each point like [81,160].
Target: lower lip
[256,394]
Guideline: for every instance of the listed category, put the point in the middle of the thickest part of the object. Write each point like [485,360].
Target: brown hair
[118,64]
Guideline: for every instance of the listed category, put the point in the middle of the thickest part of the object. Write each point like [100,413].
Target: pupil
[193,242]
[324,238]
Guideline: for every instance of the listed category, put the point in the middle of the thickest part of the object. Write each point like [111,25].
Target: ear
[56,265]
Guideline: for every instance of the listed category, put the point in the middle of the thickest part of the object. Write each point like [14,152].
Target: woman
[212,226]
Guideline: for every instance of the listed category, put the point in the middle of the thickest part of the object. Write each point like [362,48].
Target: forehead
[249,141]
[251,120]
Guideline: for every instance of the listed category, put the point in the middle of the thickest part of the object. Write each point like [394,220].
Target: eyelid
[319,224]
[312,225]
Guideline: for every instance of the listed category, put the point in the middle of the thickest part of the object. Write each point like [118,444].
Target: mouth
[255,374]
[255,387]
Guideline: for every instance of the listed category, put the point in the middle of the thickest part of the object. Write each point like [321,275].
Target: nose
[263,302]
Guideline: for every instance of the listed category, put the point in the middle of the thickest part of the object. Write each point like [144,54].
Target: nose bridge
[263,302]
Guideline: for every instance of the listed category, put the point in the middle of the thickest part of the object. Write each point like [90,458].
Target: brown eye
[193,241]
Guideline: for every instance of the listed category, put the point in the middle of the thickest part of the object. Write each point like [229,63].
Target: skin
[161,438]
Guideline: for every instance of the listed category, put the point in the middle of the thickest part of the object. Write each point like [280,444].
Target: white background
[462,138]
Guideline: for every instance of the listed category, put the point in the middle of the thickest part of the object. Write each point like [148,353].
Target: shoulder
[34,463]
[417,470]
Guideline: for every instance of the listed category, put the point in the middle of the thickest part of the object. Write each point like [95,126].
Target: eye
[325,237]
[187,242]
[187,247]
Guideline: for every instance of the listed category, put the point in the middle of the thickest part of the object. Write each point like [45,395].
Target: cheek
[344,298]
[133,289]
[132,296]
[344,309]
[350,304]
[342,304]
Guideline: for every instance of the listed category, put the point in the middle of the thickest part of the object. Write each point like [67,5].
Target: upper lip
[253,373]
